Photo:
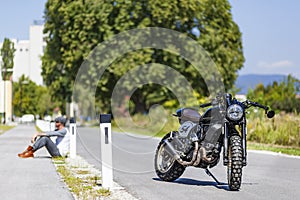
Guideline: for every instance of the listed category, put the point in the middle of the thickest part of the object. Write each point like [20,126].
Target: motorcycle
[199,140]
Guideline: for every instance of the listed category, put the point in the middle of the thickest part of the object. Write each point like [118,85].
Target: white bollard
[73,132]
[52,126]
[106,151]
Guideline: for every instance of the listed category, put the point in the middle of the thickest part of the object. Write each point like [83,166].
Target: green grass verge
[283,129]
[38,129]
[4,128]
[274,148]
[79,182]
[144,125]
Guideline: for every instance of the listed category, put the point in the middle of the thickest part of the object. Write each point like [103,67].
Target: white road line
[273,153]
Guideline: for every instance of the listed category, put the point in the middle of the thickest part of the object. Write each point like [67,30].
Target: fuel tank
[211,115]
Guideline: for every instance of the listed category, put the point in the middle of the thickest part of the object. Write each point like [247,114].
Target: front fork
[244,142]
[226,142]
[225,150]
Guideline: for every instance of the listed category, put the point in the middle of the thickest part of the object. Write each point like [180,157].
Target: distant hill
[244,82]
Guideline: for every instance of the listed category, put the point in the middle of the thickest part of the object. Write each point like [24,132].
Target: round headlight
[235,112]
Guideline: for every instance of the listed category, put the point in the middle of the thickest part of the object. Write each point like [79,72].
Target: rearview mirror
[270,114]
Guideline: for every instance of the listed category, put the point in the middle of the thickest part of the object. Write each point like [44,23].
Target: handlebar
[247,104]
[266,108]
[205,105]
[270,114]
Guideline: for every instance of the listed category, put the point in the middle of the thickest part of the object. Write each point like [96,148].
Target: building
[27,61]
[36,49]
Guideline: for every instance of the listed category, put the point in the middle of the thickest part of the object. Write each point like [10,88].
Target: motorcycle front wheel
[166,167]
[235,165]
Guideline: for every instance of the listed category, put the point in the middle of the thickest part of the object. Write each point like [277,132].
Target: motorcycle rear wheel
[235,165]
[166,167]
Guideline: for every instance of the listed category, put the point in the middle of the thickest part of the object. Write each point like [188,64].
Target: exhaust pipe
[201,155]
[170,148]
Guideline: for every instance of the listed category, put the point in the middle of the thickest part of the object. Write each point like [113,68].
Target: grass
[80,182]
[283,129]
[274,148]
[156,126]
[4,128]
[38,129]
[82,172]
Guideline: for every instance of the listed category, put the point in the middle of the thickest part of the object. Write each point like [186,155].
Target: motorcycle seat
[189,114]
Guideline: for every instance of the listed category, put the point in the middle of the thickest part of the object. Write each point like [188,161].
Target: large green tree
[221,37]
[75,27]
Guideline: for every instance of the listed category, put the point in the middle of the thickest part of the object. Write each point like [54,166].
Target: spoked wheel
[235,165]
[166,167]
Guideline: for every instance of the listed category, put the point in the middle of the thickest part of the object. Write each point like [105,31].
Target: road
[266,176]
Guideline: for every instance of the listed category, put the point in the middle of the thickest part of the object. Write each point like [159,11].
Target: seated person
[59,148]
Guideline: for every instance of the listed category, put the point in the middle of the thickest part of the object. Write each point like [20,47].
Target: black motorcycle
[199,140]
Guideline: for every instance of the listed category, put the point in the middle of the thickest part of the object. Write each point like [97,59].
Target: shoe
[28,154]
[29,148]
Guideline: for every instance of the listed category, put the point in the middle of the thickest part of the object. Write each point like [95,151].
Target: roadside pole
[52,126]
[106,151]
[73,138]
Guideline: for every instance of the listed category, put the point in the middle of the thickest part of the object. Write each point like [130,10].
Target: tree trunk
[139,102]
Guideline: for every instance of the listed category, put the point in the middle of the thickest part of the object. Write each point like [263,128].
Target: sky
[270,31]
[270,34]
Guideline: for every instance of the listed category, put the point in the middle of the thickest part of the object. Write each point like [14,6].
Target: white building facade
[36,49]
[27,61]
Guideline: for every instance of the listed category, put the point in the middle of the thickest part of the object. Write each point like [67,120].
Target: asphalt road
[267,176]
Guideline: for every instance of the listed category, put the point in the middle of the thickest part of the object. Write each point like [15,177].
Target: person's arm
[37,135]
[61,132]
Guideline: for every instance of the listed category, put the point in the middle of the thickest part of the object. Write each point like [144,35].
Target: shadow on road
[188,181]
[42,157]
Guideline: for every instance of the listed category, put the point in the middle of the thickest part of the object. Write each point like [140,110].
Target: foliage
[31,98]
[220,36]
[75,27]
[7,54]
[279,96]
[283,129]
[140,125]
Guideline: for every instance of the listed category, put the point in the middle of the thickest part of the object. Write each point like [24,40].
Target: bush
[283,129]
[280,96]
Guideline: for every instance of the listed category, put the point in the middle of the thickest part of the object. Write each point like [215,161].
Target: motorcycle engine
[187,134]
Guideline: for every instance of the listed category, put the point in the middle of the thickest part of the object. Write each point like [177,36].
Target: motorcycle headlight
[235,112]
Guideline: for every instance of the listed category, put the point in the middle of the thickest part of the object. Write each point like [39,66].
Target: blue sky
[17,15]
[271,35]
[270,28]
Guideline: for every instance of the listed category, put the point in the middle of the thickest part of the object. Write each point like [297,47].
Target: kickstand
[210,174]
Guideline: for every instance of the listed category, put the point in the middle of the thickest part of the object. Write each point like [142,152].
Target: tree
[74,28]
[221,37]
[7,54]
[30,98]
[279,96]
